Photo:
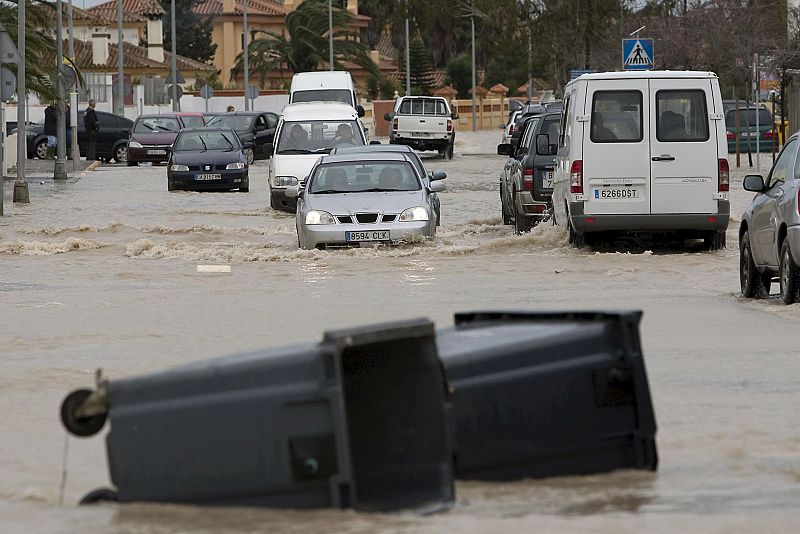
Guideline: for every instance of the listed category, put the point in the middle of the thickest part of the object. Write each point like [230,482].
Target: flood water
[101,272]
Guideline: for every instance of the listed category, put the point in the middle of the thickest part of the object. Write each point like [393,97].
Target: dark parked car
[526,187]
[152,137]
[530,110]
[208,159]
[769,235]
[766,134]
[256,127]
[112,138]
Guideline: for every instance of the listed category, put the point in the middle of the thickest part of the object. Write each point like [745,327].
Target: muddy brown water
[101,272]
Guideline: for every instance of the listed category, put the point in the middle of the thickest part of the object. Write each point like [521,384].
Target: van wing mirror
[388,117]
[454,116]
[754,183]
[360,110]
[505,149]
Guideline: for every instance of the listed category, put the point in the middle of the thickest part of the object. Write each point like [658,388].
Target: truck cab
[423,123]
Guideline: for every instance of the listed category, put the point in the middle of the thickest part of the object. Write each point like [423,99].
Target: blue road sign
[574,73]
[637,54]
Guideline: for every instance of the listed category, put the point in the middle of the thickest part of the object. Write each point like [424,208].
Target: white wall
[274,103]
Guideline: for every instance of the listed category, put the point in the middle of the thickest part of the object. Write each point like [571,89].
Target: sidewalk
[42,169]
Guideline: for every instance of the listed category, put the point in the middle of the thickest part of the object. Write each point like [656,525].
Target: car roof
[319,111]
[157,116]
[188,114]
[246,113]
[207,129]
[366,149]
[644,74]
[358,157]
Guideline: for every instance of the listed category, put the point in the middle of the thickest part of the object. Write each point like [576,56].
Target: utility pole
[330,33]
[408,60]
[474,83]
[22,116]
[60,167]
[120,63]
[245,56]
[73,96]
[174,66]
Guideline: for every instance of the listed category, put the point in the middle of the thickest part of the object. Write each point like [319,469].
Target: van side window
[681,116]
[562,132]
[617,117]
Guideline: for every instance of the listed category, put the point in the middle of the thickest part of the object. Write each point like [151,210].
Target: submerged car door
[616,147]
[684,146]
[766,207]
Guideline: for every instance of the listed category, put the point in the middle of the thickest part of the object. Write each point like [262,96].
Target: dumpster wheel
[100,495]
[80,426]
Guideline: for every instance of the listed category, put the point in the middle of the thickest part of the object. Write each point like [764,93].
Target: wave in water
[45,248]
[56,230]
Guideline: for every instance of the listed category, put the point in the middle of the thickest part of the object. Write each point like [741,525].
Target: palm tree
[40,49]
[305,45]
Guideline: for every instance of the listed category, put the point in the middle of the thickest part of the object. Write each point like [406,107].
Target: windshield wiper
[230,145]
[167,129]
[330,192]
[379,190]
[205,148]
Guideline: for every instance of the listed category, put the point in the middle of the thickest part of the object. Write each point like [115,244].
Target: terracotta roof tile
[132,10]
[135,58]
[254,7]
[78,14]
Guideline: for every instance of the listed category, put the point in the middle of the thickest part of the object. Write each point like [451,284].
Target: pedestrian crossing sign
[637,54]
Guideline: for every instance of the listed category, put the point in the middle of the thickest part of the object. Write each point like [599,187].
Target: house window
[96,86]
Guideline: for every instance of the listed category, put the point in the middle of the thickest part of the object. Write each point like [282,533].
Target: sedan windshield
[192,121]
[157,125]
[317,137]
[378,176]
[202,141]
[234,122]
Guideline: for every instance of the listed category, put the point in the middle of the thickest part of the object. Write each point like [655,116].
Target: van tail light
[576,177]
[395,124]
[724,175]
[769,134]
[730,136]
[449,126]
[527,179]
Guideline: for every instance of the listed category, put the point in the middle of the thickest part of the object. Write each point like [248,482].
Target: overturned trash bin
[547,394]
[357,420]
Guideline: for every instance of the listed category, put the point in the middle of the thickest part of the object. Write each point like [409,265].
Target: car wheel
[245,188]
[249,154]
[448,151]
[131,163]
[121,153]
[789,276]
[715,240]
[753,283]
[41,150]
[576,240]
[521,223]
[503,208]
[170,185]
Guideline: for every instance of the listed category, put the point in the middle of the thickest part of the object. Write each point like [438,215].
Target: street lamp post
[174,62]
[60,167]
[408,58]
[120,62]
[330,33]
[474,84]
[73,97]
[245,56]
[22,149]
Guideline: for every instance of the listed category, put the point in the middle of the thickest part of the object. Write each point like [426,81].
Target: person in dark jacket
[92,127]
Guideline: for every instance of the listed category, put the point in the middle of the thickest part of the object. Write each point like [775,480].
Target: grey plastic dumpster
[546,394]
[357,420]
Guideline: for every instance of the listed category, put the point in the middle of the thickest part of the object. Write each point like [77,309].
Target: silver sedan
[358,200]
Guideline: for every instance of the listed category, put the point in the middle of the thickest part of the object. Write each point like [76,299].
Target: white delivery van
[306,132]
[325,86]
[643,152]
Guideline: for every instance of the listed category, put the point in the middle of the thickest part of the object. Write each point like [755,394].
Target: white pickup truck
[423,123]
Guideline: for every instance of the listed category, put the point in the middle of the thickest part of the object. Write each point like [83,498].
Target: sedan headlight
[236,166]
[414,214]
[179,168]
[134,144]
[284,181]
[319,217]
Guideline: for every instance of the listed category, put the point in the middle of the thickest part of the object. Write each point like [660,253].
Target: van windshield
[324,95]
[312,137]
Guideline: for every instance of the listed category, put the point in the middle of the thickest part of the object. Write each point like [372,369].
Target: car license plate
[547,180]
[156,152]
[422,134]
[208,177]
[615,192]
[371,235]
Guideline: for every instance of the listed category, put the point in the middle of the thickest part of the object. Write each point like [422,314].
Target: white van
[306,132]
[643,152]
[325,86]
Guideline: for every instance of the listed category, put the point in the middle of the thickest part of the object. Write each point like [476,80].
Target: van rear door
[616,147]
[684,166]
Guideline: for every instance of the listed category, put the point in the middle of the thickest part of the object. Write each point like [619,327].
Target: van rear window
[681,116]
[617,117]
[422,106]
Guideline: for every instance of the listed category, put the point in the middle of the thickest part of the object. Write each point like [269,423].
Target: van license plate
[616,192]
[209,177]
[547,180]
[372,235]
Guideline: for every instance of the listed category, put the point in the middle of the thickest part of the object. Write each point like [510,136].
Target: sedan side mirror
[505,149]
[360,110]
[248,144]
[754,183]
[437,187]
[388,117]
[293,191]
[501,126]
[438,175]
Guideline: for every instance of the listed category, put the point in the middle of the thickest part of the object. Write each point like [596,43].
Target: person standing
[92,126]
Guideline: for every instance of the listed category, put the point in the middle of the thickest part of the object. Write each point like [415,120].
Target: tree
[459,74]
[421,71]
[40,48]
[304,46]
[192,32]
